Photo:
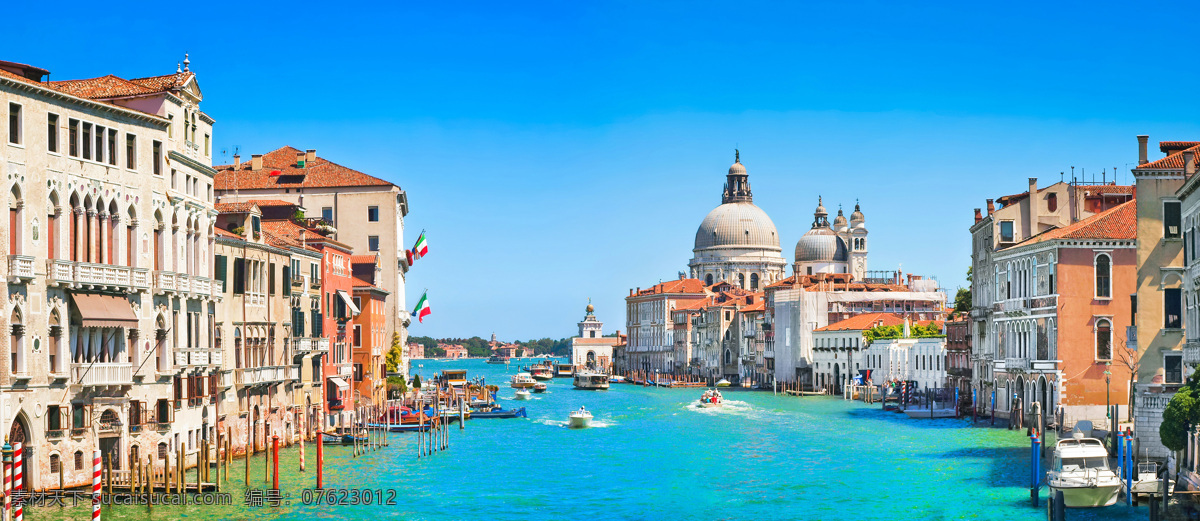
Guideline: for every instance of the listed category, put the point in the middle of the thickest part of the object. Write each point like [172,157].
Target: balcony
[1191,352]
[1131,338]
[1016,364]
[345,370]
[101,374]
[99,276]
[197,357]
[164,281]
[20,269]
[306,346]
[1012,306]
[1044,301]
[297,281]
[267,375]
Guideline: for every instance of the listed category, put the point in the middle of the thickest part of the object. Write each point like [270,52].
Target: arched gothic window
[1103,266]
[1103,339]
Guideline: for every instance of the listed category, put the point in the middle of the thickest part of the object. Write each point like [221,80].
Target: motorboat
[522,394]
[500,413]
[523,381]
[616,379]
[539,388]
[564,370]
[1080,471]
[541,372]
[723,383]
[711,399]
[1147,482]
[497,359]
[581,419]
[591,381]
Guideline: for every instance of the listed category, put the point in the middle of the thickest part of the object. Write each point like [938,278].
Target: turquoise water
[652,455]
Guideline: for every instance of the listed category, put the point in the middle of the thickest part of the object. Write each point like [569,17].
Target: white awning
[341,384]
[349,303]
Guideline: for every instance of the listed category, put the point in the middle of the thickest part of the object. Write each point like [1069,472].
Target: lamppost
[1107,400]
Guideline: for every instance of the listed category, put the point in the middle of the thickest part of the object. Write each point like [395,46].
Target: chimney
[1033,207]
[991,207]
[1142,149]
[256,162]
[299,159]
[1189,162]
[237,161]
[310,155]
[978,215]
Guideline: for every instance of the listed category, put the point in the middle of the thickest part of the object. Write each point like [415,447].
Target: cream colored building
[591,349]
[109,297]
[367,212]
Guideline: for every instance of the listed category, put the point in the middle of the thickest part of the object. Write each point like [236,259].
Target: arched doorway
[837,379]
[591,359]
[1043,396]
[19,433]
[109,431]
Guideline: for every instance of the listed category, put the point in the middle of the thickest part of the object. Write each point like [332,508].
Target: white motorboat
[1146,483]
[711,399]
[923,412]
[523,394]
[723,383]
[581,419]
[616,379]
[1081,473]
[523,381]
[591,381]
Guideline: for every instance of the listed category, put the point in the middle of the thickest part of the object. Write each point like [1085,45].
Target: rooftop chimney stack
[237,161]
[300,159]
[991,207]
[978,215]
[1142,159]
[256,162]
[310,155]
[1189,162]
[1033,207]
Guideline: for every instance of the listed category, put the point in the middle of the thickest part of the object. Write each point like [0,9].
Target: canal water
[653,455]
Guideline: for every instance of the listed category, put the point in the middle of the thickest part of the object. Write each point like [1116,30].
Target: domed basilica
[738,243]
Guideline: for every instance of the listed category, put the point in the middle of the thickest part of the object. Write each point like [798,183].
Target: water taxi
[541,372]
[591,381]
[1081,473]
[712,398]
[497,359]
[616,379]
[500,413]
[523,381]
[522,394]
[581,419]
[539,388]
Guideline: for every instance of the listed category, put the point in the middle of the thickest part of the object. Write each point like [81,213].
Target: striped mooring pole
[7,492]
[96,485]
[18,481]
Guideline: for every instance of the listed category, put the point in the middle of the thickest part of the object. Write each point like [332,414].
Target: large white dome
[737,225]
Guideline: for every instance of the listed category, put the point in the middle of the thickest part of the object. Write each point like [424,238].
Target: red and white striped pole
[7,452]
[18,481]
[95,485]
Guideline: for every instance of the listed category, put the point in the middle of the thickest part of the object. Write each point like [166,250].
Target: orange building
[1068,294]
[369,342]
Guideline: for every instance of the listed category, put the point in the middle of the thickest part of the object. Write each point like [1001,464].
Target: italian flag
[421,248]
[422,310]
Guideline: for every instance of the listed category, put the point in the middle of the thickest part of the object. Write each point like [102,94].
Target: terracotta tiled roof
[834,282]
[608,340]
[759,305]
[319,173]
[1106,189]
[864,321]
[103,87]
[287,234]
[265,203]
[1118,222]
[165,82]
[690,304]
[675,286]
[233,207]
[224,233]
[1173,161]
[360,283]
[364,259]
[1168,146]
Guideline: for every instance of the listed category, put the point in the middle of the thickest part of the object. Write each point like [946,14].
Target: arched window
[753,282]
[16,344]
[1103,276]
[1103,339]
[708,280]
[742,280]
[14,222]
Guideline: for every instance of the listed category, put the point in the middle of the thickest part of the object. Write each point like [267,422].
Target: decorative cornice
[196,165]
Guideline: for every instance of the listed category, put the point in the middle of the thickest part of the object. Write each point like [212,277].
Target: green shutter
[220,267]
[287,280]
[239,276]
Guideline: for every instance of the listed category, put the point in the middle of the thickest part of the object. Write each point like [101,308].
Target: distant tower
[858,243]
[590,327]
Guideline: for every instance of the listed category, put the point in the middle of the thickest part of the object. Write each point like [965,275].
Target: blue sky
[560,151]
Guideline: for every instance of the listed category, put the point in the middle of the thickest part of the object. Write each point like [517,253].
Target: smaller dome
[820,212]
[857,216]
[821,245]
[737,169]
[839,222]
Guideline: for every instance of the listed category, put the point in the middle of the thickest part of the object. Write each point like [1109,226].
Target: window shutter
[287,280]
[239,276]
[220,266]
[271,278]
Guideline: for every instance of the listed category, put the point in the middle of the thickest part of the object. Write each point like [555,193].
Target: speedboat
[712,399]
[539,388]
[722,383]
[1081,473]
[523,381]
[500,413]
[581,419]
[591,381]
[522,394]
[1147,482]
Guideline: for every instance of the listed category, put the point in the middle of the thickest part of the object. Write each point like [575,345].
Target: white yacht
[523,381]
[523,394]
[591,381]
[1081,472]
[581,419]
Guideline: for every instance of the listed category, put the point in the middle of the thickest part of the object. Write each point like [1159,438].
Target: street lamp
[1107,401]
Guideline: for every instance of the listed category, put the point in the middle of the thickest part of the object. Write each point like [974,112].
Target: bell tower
[737,182]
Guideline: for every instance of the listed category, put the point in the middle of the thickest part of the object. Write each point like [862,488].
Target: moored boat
[924,412]
[616,379]
[580,419]
[591,381]
[500,413]
[1080,471]
[497,359]
[541,372]
[564,370]
[723,383]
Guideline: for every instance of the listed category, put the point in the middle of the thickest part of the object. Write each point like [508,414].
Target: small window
[1173,369]
[1052,202]
[207,145]
[1103,269]
[170,125]
[1006,231]
[87,140]
[14,123]
[112,147]
[327,214]
[373,243]
[78,460]
[1103,339]
[174,181]
[1171,219]
[73,137]
[156,150]
[131,151]
[373,214]
[55,464]
[52,132]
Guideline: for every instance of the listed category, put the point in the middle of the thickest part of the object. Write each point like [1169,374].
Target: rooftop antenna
[1104,176]
[1062,176]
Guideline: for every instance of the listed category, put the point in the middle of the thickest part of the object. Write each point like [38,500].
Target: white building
[591,349]
[918,359]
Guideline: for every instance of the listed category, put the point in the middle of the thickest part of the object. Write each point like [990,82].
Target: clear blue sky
[568,150]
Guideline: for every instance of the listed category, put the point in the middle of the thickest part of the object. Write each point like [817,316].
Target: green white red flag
[420,249]
[422,309]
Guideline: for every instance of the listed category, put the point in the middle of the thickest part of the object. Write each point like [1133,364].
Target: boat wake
[727,407]
[566,424]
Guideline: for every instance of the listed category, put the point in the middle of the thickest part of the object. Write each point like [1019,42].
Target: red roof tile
[1118,222]
[364,259]
[221,232]
[164,82]
[103,87]
[675,286]
[1174,161]
[864,322]
[233,207]
[1169,146]
[319,173]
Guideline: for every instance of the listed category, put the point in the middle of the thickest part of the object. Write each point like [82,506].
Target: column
[93,243]
[102,238]
[115,236]
[175,248]
[79,238]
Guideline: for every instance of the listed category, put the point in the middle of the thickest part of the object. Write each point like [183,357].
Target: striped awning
[104,311]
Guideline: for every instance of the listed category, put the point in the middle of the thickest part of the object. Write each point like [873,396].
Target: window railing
[56,433]
[20,268]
